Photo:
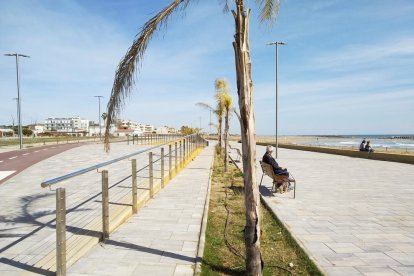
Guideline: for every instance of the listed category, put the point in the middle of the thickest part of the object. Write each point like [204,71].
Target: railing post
[162,167]
[176,153]
[60,232]
[181,154]
[105,205]
[169,162]
[134,186]
[184,150]
[151,176]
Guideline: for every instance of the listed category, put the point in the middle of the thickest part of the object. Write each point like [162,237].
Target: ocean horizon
[383,141]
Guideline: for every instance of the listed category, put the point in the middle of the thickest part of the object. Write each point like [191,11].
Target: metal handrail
[52,181]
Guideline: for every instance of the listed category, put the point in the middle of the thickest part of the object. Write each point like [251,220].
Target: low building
[124,132]
[37,129]
[161,130]
[6,132]
[95,130]
[172,130]
[148,129]
[67,125]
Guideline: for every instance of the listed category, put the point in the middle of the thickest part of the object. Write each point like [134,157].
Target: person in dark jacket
[268,159]
[362,145]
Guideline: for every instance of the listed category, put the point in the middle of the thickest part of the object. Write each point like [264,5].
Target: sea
[378,141]
[385,141]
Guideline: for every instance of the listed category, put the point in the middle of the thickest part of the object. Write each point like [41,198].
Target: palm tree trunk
[220,134]
[247,125]
[226,140]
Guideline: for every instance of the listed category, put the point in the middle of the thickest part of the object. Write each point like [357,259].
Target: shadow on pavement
[26,267]
[265,191]
[151,250]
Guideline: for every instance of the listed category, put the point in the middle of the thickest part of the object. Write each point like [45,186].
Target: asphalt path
[14,162]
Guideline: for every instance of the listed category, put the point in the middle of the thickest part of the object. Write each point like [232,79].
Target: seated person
[268,159]
[362,145]
[368,147]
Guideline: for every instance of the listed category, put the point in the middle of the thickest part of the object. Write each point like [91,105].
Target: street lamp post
[19,116]
[210,123]
[17,108]
[277,102]
[99,104]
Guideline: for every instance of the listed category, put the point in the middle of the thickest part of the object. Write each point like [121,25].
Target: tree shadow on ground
[151,250]
[26,267]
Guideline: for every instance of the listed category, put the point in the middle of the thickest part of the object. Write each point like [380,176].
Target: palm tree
[124,80]
[218,126]
[219,111]
[225,103]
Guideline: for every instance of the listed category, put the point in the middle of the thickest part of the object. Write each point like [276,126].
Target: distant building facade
[6,132]
[36,128]
[67,125]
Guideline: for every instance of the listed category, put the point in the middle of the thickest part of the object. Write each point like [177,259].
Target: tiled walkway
[162,239]
[353,216]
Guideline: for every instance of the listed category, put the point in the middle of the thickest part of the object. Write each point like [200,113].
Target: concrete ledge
[408,159]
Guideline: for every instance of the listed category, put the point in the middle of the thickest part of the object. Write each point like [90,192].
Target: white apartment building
[130,125]
[94,130]
[161,130]
[148,129]
[69,125]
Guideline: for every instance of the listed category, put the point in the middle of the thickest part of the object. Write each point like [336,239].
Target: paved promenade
[352,216]
[27,212]
[162,239]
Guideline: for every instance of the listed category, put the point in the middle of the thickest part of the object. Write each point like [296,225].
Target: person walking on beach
[268,159]
[362,145]
[368,147]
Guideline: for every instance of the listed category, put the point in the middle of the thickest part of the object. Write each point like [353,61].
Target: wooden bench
[278,180]
[237,151]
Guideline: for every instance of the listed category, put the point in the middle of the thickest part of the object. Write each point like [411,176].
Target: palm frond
[226,5]
[125,74]
[268,10]
[237,113]
[205,105]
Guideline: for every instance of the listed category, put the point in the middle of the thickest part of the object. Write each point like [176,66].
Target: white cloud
[366,54]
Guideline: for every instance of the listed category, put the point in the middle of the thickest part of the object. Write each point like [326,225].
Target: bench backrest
[267,169]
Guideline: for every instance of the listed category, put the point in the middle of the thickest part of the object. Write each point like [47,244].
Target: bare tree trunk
[226,140]
[247,125]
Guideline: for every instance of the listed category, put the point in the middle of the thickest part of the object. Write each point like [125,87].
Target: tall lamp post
[99,104]
[19,116]
[277,102]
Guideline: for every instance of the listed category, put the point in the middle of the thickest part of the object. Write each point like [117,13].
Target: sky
[348,66]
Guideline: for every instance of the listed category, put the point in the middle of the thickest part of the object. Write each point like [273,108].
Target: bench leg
[294,190]
[261,180]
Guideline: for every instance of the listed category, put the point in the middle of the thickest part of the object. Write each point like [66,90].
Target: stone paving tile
[344,247]
[376,258]
[184,270]
[404,270]
[377,271]
[342,271]
[154,269]
[403,258]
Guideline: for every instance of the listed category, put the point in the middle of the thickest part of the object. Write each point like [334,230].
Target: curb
[202,236]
